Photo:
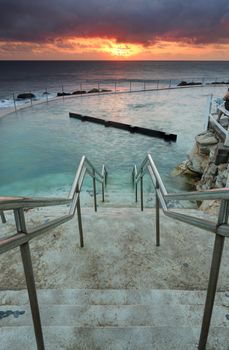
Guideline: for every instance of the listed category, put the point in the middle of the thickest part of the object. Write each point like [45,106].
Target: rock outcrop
[26,95]
[185,83]
[204,160]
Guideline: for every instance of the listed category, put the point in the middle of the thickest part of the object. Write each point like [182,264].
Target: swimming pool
[41,146]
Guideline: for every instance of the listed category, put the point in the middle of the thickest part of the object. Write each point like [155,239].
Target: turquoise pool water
[41,146]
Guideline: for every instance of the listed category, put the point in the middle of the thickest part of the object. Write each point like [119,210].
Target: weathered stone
[218,184]
[59,94]
[222,167]
[197,162]
[225,173]
[79,92]
[94,90]
[183,169]
[207,138]
[212,169]
[210,206]
[185,83]
[26,95]
[222,155]
[106,90]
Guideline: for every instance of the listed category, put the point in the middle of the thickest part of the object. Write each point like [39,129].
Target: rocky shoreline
[206,166]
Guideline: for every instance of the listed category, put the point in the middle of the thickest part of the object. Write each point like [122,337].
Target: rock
[59,94]
[219,82]
[26,95]
[218,184]
[206,143]
[197,163]
[211,206]
[185,83]
[79,92]
[206,138]
[106,90]
[46,93]
[92,91]
[183,169]
[222,167]
[212,169]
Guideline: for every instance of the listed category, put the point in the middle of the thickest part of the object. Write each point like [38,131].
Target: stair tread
[70,296]
[160,314]
[118,338]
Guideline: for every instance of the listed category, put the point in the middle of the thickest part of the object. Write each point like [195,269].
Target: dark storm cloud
[142,21]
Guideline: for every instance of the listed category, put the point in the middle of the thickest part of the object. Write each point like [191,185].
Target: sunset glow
[109,49]
[115,30]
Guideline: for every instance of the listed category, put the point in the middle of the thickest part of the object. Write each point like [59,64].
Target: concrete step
[157,315]
[110,338]
[112,297]
[113,319]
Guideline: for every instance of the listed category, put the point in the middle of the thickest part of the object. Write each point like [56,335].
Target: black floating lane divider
[127,127]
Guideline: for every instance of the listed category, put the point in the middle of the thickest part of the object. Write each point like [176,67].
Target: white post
[209,108]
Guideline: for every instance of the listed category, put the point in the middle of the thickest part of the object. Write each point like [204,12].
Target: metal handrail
[23,236]
[220,228]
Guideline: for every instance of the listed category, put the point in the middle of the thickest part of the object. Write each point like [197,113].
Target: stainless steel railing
[220,228]
[23,235]
[212,120]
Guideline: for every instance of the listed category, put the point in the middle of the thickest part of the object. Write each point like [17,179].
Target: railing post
[103,184]
[46,93]
[144,85]
[141,187]
[80,221]
[213,278]
[31,287]
[15,106]
[130,86]
[3,218]
[115,86]
[135,184]
[136,192]
[157,84]
[31,102]
[62,88]
[157,218]
[103,197]
[29,277]
[94,191]
[209,108]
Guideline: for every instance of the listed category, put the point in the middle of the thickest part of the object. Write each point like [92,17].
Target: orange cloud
[109,49]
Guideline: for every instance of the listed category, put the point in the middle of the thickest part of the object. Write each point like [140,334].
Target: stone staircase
[112,319]
[118,292]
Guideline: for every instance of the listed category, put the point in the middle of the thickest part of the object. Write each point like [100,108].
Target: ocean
[41,146]
[53,76]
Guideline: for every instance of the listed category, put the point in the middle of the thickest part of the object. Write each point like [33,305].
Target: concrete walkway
[118,292]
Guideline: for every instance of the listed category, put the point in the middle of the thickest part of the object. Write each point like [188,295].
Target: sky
[114,29]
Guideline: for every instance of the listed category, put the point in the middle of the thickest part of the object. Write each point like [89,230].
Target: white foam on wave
[41,96]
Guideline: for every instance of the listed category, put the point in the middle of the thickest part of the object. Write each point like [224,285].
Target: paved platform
[118,292]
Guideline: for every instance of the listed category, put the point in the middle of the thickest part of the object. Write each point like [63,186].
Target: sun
[122,49]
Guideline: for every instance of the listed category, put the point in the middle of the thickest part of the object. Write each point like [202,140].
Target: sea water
[41,146]
[40,77]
